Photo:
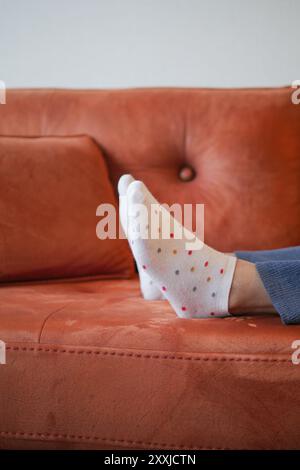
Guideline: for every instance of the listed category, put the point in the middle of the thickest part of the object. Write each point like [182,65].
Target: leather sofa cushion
[50,190]
[92,365]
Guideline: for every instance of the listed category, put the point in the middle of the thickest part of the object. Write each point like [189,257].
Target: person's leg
[266,287]
[281,254]
[248,294]
[281,280]
[275,277]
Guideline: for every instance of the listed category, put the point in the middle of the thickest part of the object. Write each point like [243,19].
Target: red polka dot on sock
[206,264]
[221,271]
[164,288]
[212,313]
[144,266]
[190,252]
[172,235]
[183,309]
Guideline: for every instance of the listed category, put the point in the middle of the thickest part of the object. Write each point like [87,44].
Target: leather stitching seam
[103,439]
[144,355]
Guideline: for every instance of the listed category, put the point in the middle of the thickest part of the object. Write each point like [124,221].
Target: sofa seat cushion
[92,365]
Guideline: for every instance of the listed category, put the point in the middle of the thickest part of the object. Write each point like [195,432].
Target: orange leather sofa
[90,364]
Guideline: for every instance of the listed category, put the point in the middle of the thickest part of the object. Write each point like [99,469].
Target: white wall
[128,43]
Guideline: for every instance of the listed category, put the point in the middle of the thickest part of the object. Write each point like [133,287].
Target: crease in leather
[47,318]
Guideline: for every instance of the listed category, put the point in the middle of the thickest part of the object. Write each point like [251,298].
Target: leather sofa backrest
[239,150]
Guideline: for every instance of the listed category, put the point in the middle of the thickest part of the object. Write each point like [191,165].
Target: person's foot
[147,285]
[196,283]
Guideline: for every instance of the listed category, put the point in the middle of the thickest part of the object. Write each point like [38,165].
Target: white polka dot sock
[196,283]
[147,285]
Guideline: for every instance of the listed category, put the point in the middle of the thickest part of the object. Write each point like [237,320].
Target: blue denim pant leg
[280,273]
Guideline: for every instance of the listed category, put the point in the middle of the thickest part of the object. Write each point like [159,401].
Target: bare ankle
[248,294]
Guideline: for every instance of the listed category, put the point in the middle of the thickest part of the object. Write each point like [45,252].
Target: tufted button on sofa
[186,174]
[90,364]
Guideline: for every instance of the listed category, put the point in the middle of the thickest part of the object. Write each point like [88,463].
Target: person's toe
[136,192]
[123,184]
